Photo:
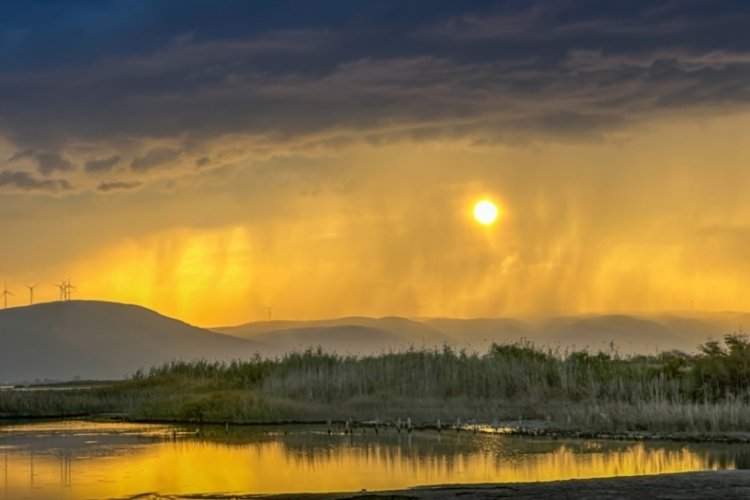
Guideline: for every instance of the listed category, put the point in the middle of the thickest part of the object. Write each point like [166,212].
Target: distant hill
[97,340]
[637,334]
[345,339]
[350,335]
[101,340]
[628,333]
[481,332]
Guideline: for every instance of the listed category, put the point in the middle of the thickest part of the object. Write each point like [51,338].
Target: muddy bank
[725,485]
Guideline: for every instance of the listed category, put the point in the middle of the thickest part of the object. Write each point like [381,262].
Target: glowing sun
[485,212]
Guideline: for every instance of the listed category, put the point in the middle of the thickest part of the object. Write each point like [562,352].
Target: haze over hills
[100,340]
[629,333]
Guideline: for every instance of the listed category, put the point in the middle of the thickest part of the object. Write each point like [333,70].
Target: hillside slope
[92,339]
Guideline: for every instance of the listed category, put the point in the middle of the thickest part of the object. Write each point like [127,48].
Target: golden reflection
[102,466]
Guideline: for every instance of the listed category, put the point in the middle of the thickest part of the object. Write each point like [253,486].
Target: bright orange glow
[197,276]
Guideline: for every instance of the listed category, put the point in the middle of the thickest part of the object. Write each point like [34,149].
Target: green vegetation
[669,392]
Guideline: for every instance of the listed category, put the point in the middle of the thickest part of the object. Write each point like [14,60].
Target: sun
[485,212]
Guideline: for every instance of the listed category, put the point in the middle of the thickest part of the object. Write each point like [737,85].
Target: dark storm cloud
[153,159]
[46,162]
[102,165]
[294,73]
[118,186]
[23,181]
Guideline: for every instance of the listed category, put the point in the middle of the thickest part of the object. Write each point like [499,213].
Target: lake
[80,459]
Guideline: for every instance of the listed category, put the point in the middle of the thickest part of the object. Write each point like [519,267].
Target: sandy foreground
[732,484]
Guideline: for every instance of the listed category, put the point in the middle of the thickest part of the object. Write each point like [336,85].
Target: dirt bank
[725,485]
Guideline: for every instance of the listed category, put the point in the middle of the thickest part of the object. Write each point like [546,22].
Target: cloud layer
[251,82]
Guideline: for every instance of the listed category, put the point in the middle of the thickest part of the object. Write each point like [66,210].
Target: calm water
[95,460]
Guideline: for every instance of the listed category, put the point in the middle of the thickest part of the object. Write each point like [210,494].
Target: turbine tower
[31,292]
[270,310]
[6,293]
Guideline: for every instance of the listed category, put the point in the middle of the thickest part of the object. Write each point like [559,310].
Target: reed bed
[602,391]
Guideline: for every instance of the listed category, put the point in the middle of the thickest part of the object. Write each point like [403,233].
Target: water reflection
[83,459]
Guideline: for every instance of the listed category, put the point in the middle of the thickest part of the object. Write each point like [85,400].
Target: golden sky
[591,226]
[212,176]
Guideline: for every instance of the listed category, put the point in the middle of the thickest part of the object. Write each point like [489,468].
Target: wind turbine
[61,286]
[68,288]
[6,293]
[270,310]
[31,292]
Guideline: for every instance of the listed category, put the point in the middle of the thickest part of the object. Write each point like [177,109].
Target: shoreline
[534,429]
[723,484]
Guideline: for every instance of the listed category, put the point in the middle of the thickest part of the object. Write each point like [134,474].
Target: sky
[213,160]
